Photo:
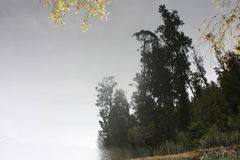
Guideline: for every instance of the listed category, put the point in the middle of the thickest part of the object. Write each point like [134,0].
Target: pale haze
[49,73]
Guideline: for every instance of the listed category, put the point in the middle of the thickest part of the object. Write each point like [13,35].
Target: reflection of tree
[92,8]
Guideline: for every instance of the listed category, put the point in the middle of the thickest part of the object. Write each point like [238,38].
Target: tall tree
[162,83]
[177,45]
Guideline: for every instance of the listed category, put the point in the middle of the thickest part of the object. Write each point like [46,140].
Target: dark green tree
[177,45]
[162,83]
[211,109]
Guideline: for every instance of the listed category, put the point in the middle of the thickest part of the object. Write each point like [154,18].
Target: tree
[119,121]
[92,8]
[211,109]
[229,78]
[177,45]
[198,80]
[198,62]
[162,83]
[104,102]
[153,100]
[114,112]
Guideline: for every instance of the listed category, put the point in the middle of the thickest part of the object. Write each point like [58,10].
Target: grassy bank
[215,153]
[214,146]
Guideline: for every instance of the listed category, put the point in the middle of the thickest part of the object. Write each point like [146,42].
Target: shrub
[220,139]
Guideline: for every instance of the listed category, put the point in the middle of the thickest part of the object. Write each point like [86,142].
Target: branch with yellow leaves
[222,30]
[92,8]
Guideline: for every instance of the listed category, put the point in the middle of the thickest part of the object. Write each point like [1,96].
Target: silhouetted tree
[162,83]
[177,45]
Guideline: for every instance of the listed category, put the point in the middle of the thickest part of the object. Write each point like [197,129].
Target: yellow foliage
[222,30]
[92,8]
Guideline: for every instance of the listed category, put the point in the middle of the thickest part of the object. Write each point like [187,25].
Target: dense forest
[174,108]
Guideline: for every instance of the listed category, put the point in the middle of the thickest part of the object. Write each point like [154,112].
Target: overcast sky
[49,74]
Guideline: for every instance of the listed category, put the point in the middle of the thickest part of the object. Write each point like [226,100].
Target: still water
[13,149]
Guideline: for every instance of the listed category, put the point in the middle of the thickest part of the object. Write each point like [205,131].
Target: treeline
[172,103]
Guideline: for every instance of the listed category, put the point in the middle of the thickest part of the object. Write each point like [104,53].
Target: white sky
[49,74]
